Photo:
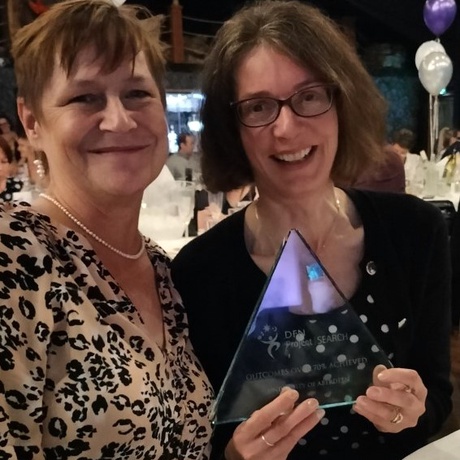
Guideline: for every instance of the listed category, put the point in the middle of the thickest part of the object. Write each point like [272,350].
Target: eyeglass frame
[288,101]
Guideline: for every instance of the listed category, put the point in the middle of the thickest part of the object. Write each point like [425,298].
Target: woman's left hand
[395,401]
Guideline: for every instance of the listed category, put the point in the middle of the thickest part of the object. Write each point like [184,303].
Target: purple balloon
[439,15]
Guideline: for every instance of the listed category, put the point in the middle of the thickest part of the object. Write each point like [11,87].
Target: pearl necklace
[92,234]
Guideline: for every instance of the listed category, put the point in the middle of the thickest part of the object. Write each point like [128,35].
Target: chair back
[448,211]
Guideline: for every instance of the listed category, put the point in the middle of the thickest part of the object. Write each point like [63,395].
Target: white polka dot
[385,328]
[354,338]
[352,411]
[341,358]
[361,366]
[324,421]
[320,348]
[363,318]
[327,394]
[335,438]
[323,452]
[312,321]
[391,355]
[375,348]
[348,398]
[370,299]
[306,368]
[344,429]
[355,445]
[302,441]
[344,312]
[300,337]
[332,329]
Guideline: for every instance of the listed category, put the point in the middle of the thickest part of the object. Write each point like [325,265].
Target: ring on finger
[269,444]
[398,418]
[409,389]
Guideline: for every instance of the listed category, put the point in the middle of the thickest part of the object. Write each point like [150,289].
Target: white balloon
[425,49]
[118,2]
[435,72]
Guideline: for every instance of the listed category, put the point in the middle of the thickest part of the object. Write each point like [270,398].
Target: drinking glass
[186,201]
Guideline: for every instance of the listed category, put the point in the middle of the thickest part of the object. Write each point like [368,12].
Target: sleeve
[25,329]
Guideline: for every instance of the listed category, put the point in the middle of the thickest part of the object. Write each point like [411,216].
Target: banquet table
[446,448]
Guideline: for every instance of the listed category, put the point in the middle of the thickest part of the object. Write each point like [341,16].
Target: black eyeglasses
[261,111]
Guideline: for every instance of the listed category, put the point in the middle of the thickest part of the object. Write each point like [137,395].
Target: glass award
[303,333]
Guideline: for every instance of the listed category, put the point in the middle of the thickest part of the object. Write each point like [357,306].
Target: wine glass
[185,201]
[215,202]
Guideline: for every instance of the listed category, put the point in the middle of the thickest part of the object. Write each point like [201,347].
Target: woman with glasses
[290,108]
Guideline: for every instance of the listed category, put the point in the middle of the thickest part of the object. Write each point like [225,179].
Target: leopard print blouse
[79,376]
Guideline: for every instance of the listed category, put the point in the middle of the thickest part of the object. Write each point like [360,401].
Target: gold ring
[398,418]
[408,389]
[269,444]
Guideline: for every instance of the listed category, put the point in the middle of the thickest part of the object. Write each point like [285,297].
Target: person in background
[9,184]
[6,131]
[445,138]
[403,141]
[387,175]
[289,106]
[96,360]
[181,163]
[454,146]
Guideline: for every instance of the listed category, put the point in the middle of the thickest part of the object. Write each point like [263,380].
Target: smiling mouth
[293,157]
[118,149]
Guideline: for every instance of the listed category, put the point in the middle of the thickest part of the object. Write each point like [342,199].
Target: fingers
[395,401]
[273,431]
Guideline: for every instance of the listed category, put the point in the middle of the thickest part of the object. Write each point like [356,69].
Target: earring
[40,168]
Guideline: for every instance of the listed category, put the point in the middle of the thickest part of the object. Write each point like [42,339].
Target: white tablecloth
[447,448]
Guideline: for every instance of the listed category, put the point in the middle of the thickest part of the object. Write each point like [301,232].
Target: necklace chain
[338,207]
[91,233]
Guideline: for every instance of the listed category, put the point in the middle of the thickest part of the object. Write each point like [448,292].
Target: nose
[116,117]
[285,122]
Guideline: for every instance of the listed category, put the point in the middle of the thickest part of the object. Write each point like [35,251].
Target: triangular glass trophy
[303,334]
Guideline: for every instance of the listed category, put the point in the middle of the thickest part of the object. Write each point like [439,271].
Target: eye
[256,106]
[138,94]
[84,99]
[310,95]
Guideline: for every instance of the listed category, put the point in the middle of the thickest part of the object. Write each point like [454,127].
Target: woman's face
[4,126]
[103,134]
[5,166]
[293,155]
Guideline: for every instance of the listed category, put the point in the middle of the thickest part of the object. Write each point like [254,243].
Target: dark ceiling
[384,21]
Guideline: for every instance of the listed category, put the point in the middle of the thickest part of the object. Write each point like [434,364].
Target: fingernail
[381,376]
[373,392]
[320,413]
[285,389]
[313,403]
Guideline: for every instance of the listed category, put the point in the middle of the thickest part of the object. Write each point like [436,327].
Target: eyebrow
[299,86]
[85,83]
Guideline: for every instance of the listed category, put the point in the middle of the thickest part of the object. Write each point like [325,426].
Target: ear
[30,123]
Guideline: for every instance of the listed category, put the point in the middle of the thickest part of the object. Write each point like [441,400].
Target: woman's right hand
[273,431]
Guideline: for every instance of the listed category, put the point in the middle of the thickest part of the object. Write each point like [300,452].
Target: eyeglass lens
[308,102]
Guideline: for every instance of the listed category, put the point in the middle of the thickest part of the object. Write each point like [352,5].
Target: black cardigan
[406,239]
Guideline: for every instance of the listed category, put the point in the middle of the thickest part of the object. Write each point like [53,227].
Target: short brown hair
[304,34]
[405,138]
[69,27]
